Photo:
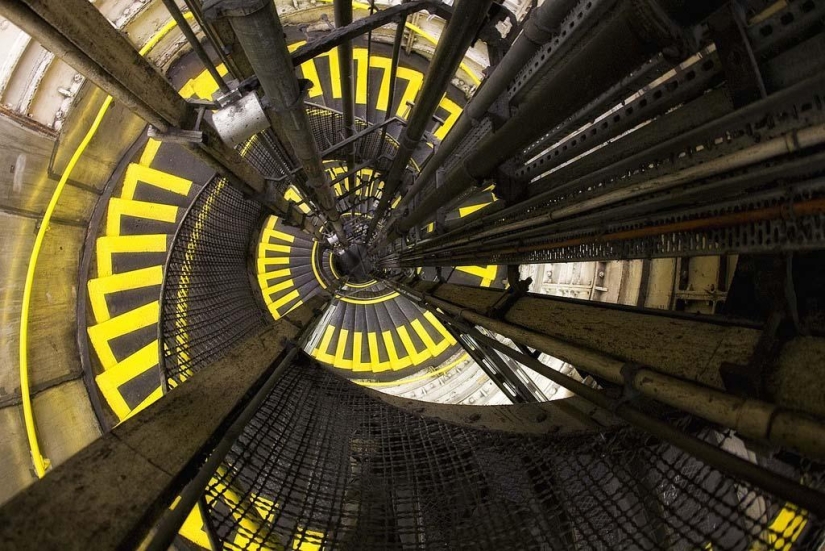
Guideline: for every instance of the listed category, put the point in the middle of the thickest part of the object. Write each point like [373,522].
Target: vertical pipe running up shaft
[260,34]
[539,29]
[343,17]
[184,27]
[452,46]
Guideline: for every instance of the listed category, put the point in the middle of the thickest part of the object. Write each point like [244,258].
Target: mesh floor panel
[324,465]
[208,303]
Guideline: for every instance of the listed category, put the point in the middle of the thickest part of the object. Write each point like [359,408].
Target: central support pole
[260,34]
[343,17]
[452,45]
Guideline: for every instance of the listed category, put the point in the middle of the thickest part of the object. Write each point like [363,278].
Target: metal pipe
[752,418]
[259,32]
[555,97]
[539,29]
[808,498]
[789,143]
[198,48]
[396,55]
[169,525]
[343,17]
[194,8]
[452,46]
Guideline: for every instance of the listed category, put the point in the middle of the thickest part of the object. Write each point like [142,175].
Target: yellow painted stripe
[375,300]
[309,71]
[376,364]
[312,261]
[116,244]
[467,211]
[284,300]
[118,208]
[340,362]
[439,327]
[334,73]
[126,281]
[109,381]
[417,378]
[359,56]
[136,173]
[415,356]
[486,273]
[275,234]
[454,110]
[357,349]
[275,248]
[322,352]
[263,262]
[269,291]
[425,337]
[150,151]
[101,334]
[414,81]
[396,362]
[385,64]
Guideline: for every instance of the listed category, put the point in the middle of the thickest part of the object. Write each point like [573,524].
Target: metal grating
[207,301]
[326,465]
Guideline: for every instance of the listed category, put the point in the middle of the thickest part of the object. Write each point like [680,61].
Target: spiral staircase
[274,364]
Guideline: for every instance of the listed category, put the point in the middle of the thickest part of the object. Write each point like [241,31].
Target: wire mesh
[328,130]
[208,303]
[324,465]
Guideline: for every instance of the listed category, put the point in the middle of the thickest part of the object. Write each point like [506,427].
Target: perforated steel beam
[637,29]
[539,29]
[452,45]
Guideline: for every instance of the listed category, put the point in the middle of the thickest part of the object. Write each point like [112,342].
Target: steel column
[452,46]
[343,18]
[539,29]
[637,29]
[259,31]
[198,48]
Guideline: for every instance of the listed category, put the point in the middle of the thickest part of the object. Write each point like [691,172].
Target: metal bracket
[744,80]
[179,135]
[518,288]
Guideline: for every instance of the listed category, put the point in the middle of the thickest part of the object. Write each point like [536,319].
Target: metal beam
[672,359]
[364,25]
[566,90]
[452,46]
[539,29]
[259,31]
[343,18]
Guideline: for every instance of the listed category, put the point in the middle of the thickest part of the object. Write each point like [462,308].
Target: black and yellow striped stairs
[159,183]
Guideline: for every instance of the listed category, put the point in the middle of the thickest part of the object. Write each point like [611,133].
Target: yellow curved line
[332,267]
[375,300]
[41,463]
[421,32]
[314,267]
[369,283]
[417,378]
